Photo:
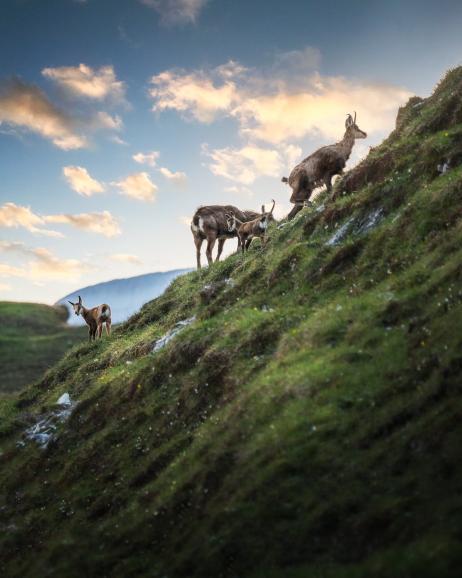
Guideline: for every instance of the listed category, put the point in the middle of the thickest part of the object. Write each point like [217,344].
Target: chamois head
[231,222]
[77,306]
[266,216]
[352,128]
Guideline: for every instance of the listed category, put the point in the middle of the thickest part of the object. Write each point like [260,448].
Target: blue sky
[119,117]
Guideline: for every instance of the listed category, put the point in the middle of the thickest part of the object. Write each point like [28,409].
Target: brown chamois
[321,166]
[209,223]
[251,229]
[94,318]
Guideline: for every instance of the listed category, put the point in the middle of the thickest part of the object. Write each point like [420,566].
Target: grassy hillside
[32,338]
[305,424]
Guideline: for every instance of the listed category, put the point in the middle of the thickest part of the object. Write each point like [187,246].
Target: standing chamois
[94,318]
[251,229]
[210,223]
[321,166]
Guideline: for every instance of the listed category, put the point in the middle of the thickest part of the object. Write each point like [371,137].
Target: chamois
[255,228]
[321,166]
[94,318]
[209,223]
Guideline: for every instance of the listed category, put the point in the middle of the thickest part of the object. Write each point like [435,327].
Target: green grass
[306,424]
[32,338]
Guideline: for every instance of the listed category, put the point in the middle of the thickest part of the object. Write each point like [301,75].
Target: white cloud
[80,181]
[199,94]
[149,158]
[319,110]
[177,11]
[105,120]
[184,220]
[84,81]
[137,186]
[42,264]
[239,190]
[26,106]
[288,101]
[178,177]
[14,216]
[246,164]
[5,287]
[120,141]
[101,223]
[126,258]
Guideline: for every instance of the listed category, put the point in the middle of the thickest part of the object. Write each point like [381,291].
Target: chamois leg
[210,245]
[221,242]
[90,333]
[100,330]
[328,182]
[108,327]
[198,242]
[294,211]
[247,244]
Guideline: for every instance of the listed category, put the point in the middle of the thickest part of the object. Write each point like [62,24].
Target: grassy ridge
[306,424]
[32,338]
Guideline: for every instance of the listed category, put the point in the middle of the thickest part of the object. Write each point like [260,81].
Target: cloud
[9,270]
[288,101]
[200,95]
[5,287]
[184,220]
[137,186]
[246,164]
[80,181]
[120,141]
[149,158]
[178,178]
[14,216]
[102,223]
[42,264]
[239,190]
[86,82]
[319,110]
[176,12]
[126,258]
[105,121]
[26,106]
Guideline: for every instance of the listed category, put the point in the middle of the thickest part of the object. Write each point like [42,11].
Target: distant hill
[32,338]
[125,296]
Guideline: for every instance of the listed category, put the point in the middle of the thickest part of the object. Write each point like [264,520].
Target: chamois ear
[272,208]
[80,300]
[263,208]
[354,121]
[349,121]
[70,302]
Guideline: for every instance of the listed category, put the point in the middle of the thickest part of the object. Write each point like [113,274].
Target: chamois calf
[94,318]
[251,229]
[321,166]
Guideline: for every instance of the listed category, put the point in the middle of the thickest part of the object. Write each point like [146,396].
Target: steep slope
[303,421]
[32,338]
[125,296]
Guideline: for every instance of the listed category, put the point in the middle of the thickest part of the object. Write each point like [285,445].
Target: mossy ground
[307,424]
